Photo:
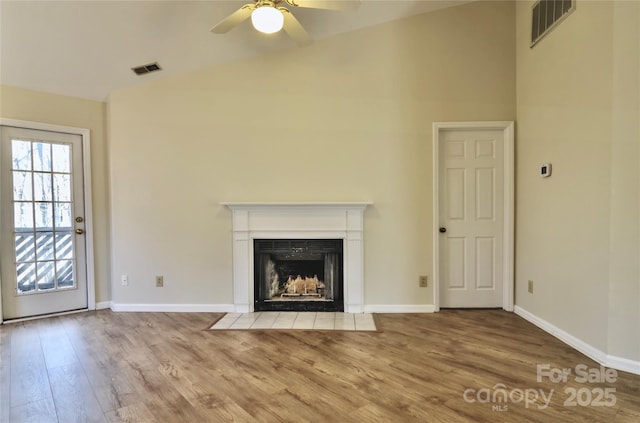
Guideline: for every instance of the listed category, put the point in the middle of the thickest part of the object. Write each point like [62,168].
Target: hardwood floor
[165,367]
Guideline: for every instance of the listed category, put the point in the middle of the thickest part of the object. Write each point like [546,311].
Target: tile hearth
[297,320]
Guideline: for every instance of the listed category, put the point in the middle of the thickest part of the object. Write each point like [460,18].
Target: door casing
[507,128]
[86,174]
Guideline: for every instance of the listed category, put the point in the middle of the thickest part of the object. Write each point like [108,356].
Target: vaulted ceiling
[87,48]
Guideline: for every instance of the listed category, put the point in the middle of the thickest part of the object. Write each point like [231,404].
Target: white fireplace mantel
[334,220]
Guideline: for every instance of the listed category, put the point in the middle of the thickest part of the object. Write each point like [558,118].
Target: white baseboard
[103,304]
[623,364]
[230,308]
[174,308]
[586,349]
[399,308]
[590,351]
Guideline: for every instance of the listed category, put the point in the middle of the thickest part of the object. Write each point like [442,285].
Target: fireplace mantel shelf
[298,220]
[248,205]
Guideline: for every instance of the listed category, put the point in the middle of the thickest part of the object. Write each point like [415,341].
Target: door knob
[443,230]
[79,231]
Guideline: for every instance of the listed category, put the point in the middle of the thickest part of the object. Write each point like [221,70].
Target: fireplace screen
[298,275]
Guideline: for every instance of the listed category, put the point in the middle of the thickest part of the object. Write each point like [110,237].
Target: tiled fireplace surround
[298,221]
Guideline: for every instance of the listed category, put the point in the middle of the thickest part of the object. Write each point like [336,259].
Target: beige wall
[577,231]
[22,104]
[348,118]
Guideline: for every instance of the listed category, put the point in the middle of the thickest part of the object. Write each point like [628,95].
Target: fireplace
[298,275]
[343,222]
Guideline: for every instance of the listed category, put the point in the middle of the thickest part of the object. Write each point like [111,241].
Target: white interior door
[471,217]
[43,252]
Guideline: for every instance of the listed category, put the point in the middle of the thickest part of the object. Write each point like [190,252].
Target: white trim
[322,220]
[586,349]
[43,316]
[231,308]
[399,308]
[174,308]
[590,351]
[509,204]
[88,198]
[623,364]
[88,219]
[103,305]
[296,205]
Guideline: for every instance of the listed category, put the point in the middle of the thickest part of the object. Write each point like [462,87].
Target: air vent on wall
[151,67]
[546,14]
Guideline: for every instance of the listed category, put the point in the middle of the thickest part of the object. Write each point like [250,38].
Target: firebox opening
[298,275]
[296,280]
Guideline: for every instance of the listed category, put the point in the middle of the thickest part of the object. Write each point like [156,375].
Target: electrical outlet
[159,281]
[530,287]
[424,281]
[125,280]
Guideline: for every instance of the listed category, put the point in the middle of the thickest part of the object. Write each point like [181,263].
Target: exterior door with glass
[43,253]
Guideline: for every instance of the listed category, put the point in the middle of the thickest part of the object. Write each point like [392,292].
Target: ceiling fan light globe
[267,19]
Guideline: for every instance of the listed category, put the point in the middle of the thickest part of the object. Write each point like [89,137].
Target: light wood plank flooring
[165,367]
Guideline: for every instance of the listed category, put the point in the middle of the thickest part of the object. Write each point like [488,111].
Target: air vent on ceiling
[151,67]
[546,14]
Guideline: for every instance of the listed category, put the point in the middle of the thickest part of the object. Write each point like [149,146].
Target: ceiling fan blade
[326,4]
[293,28]
[234,19]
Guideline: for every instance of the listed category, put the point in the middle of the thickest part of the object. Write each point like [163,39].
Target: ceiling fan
[270,16]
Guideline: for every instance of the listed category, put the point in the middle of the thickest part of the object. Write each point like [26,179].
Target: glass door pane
[43,216]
